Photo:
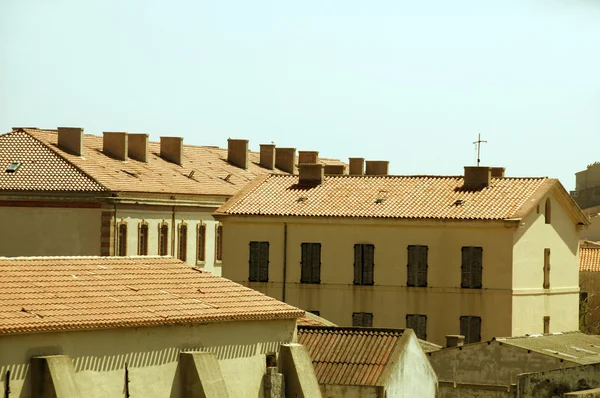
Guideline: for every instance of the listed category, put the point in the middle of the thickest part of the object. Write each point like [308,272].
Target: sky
[412,82]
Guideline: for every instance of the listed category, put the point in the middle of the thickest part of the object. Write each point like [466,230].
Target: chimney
[377,167]
[285,159]
[498,172]
[70,139]
[115,145]
[310,173]
[171,149]
[138,147]
[477,177]
[267,156]
[237,153]
[335,169]
[455,340]
[308,157]
[357,166]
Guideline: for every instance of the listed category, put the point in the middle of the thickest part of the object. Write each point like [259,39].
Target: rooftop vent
[237,153]
[477,177]
[70,139]
[267,156]
[310,173]
[455,340]
[137,147]
[115,145]
[171,149]
[14,166]
[377,167]
[335,169]
[458,202]
[285,159]
[308,156]
[357,166]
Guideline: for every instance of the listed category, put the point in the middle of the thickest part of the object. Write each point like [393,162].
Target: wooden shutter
[464,328]
[421,329]
[316,263]
[358,261]
[411,267]
[263,262]
[474,329]
[254,261]
[368,264]
[546,268]
[305,273]
[466,267]
[422,266]
[410,321]
[357,319]
[476,267]
[368,319]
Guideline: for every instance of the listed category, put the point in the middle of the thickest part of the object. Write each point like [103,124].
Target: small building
[368,362]
[494,368]
[139,327]
[589,283]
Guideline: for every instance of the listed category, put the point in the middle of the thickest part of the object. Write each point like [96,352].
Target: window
[14,166]
[143,239]
[418,323]
[163,239]
[201,242]
[472,267]
[470,327]
[417,266]
[122,241]
[363,264]
[182,249]
[311,263]
[546,324]
[219,243]
[364,319]
[546,268]
[548,212]
[259,262]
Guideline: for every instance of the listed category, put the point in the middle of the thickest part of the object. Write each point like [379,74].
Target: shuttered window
[364,319]
[182,249]
[311,263]
[219,243]
[470,327]
[364,257]
[259,262]
[472,267]
[418,323]
[122,248]
[417,266]
[163,239]
[201,242]
[143,239]
[546,268]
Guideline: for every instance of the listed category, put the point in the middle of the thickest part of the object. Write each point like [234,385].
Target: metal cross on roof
[479,142]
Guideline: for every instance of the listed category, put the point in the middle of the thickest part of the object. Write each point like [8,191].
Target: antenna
[479,142]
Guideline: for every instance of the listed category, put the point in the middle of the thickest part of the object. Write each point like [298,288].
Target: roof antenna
[479,142]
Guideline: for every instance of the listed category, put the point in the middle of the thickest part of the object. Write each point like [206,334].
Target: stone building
[589,283]
[587,196]
[142,327]
[480,254]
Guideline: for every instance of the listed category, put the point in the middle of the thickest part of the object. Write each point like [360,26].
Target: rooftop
[72,293]
[397,197]
[310,319]
[589,259]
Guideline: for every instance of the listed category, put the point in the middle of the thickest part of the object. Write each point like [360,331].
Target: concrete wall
[531,301]
[555,383]
[343,391]
[49,231]
[462,390]
[151,355]
[493,363]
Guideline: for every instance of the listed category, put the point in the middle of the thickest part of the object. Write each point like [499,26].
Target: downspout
[173,233]
[284,260]
[115,232]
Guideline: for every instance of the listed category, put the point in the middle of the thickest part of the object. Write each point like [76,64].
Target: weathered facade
[589,283]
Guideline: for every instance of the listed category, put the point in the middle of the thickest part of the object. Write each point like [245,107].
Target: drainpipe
[115,232]
[173,233]
[284,260]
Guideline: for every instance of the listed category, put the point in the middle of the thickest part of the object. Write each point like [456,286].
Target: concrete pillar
[298,372]
[53,376]
[273,382]
[201,375]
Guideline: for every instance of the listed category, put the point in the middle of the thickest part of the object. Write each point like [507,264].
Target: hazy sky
[412,82]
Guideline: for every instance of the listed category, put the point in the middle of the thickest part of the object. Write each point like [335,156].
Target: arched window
[548,211]
[182,255]
[201,247]
[122,239]
[219,242]
[163,239]
[143,238]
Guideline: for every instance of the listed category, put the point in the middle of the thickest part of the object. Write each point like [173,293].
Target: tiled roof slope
[41,169]
[73,293]
[350,356]
[571,346]
[213,175]
[310,319]
[425,197]
[589,259]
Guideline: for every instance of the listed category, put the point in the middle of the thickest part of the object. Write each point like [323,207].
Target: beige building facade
[489,266]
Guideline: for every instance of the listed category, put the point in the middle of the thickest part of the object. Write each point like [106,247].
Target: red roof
[72,293]
[589,259]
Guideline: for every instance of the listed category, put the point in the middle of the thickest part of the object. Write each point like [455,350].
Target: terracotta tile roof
[72,293]
[213,175]
[350,356]
[589,259]
[40,169]
[425,197]
[310,319]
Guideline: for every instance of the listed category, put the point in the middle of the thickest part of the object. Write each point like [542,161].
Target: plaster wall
[344,391]
[458,390]
[49,231]
[590,282]
[559,381]
[151,355]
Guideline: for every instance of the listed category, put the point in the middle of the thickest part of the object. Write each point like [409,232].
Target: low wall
[557,382]
[449,389]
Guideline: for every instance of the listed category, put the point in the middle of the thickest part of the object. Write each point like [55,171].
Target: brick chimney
[308,157]
[285,159]
[267,156]
[70,139]
[477,177]
[377,167]
[237,153]
[310,173]
[498,172]
[115,145]
[357,166]
[171,149]
[137,147]
[455,340]
[334,169]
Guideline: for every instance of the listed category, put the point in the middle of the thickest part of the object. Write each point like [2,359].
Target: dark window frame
[143,239]
[310,263]
[163,239]
[546,284]
[471,267]
[258,261]
[362,319]
[201,243]
[417,265]
[470,327]
[219,243]
[122,239]
[182,242]
[364,264]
